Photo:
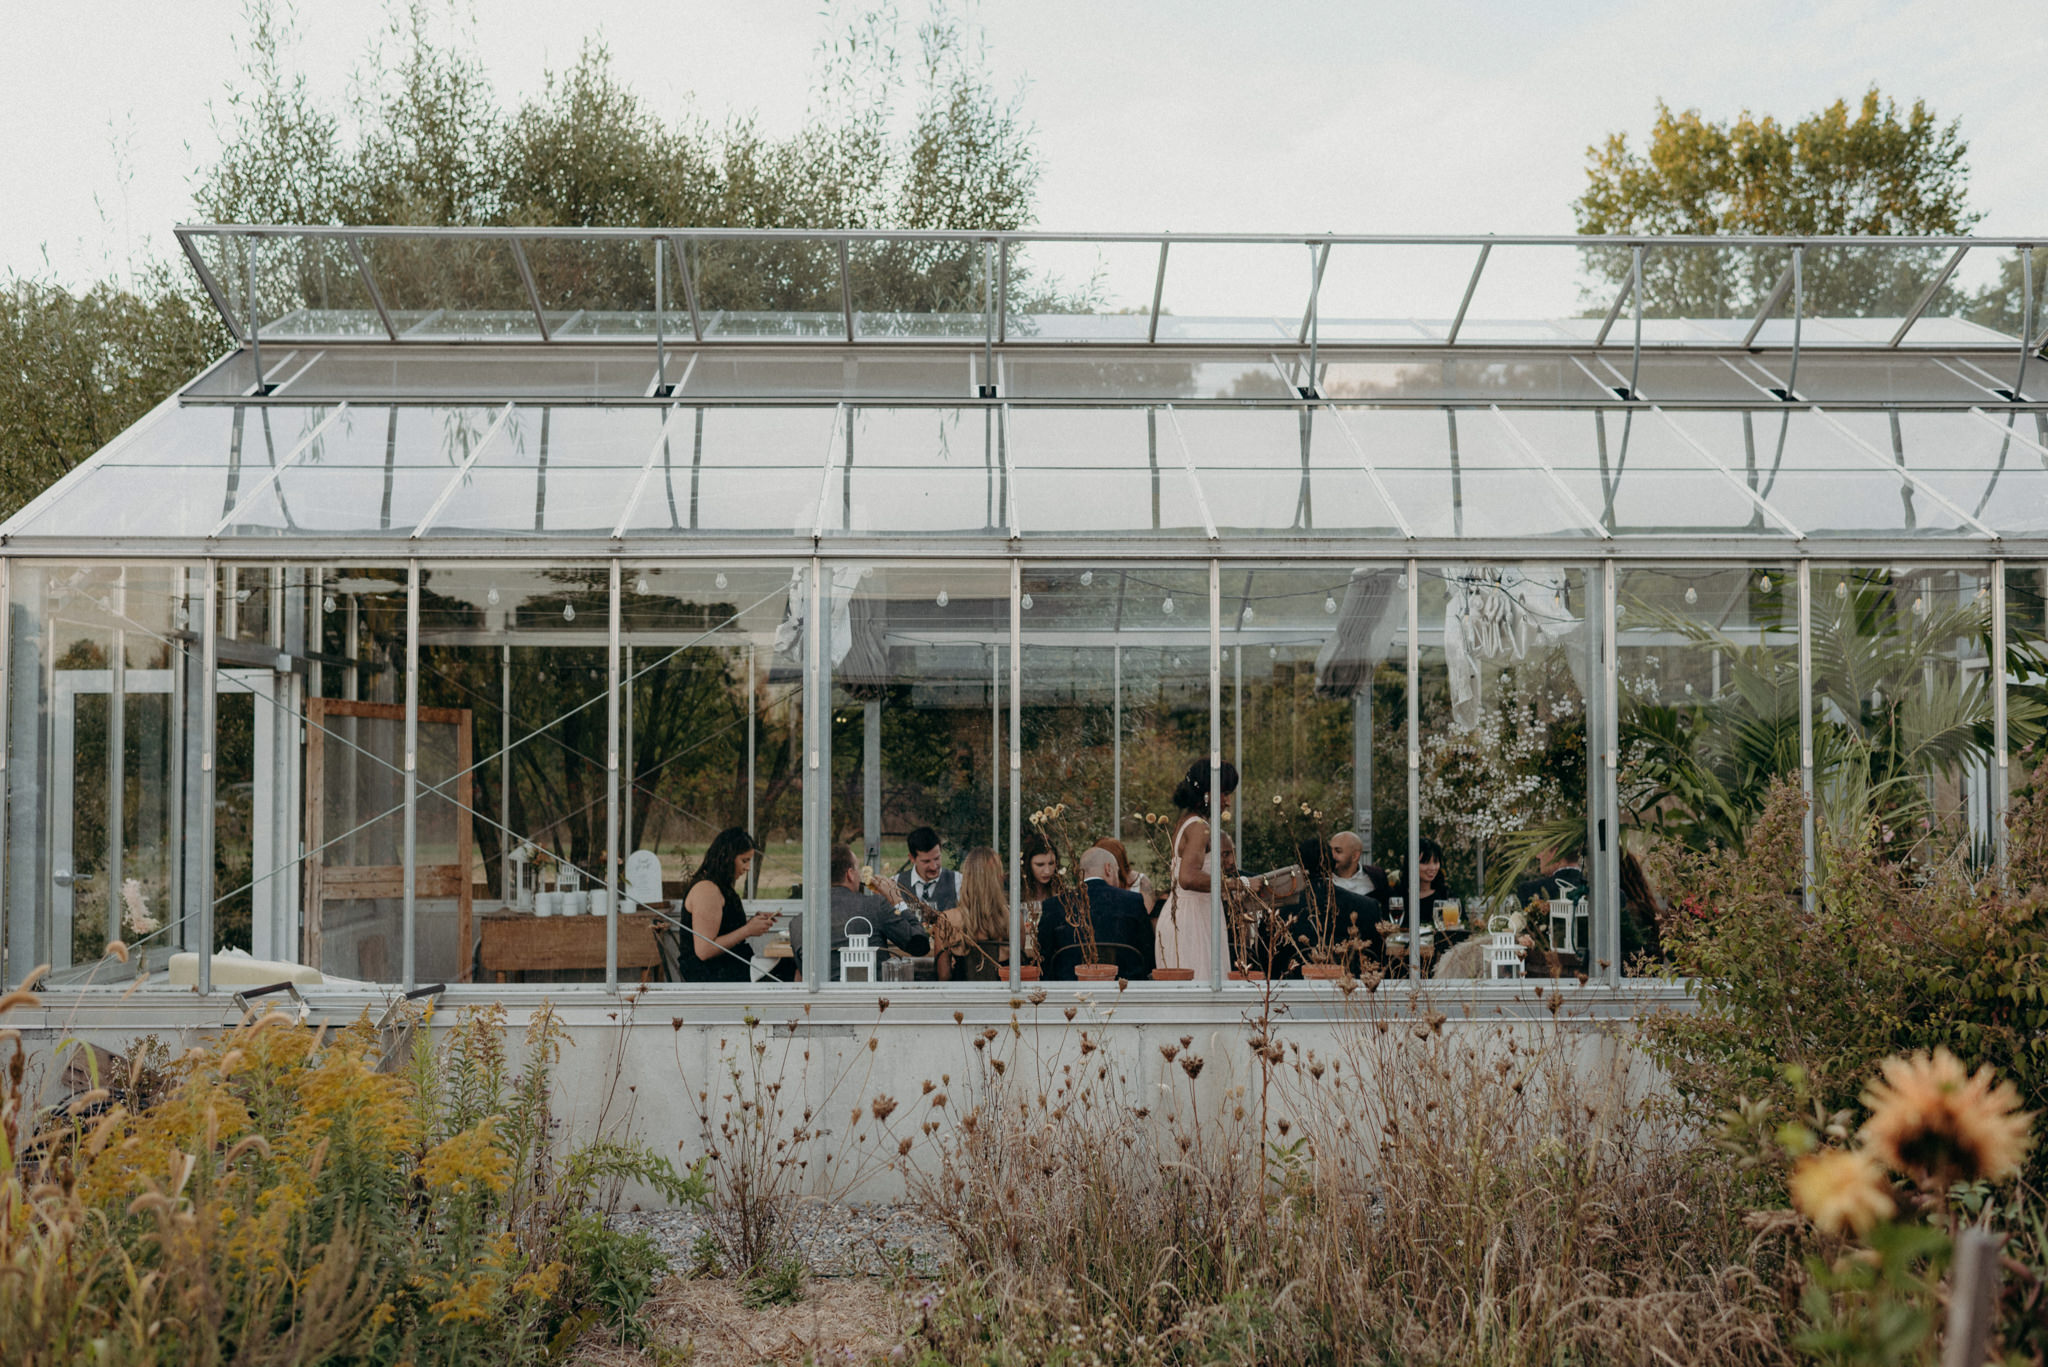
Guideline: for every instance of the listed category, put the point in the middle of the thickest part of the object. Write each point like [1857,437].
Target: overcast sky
[1197,115]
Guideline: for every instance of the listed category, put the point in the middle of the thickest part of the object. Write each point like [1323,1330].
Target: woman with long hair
[977,929]
[1037,867]
[1184,936]
[715,922]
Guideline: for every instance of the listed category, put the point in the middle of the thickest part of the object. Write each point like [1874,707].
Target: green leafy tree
[1862,169]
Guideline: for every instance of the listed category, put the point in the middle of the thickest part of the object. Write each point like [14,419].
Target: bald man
[1347,853]
[1123,931]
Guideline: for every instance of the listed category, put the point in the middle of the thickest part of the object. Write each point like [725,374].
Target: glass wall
[103,729]
[1708,683]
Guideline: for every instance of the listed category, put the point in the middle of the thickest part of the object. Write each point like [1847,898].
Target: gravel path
[833,1239]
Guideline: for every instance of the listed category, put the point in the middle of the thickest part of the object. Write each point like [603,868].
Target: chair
[1503,955]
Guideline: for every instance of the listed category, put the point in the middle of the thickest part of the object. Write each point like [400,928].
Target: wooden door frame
[429,880]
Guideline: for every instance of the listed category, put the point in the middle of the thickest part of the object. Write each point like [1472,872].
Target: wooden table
[520,942]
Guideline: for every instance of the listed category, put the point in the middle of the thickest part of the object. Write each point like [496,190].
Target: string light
[327,603]
[640,585]
[1167,607]
[1026,603]
[1764,583]
[568,612]
[720,581]
[1329,605]
[944,598]
[1692,595]
[1842,591]
[1248,612]
[1087,578]
[491,595]
[1272,652]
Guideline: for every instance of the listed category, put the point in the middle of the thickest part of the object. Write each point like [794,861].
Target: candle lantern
[857,960]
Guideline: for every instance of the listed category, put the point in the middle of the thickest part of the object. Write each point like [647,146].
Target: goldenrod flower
[1841,1190]
[1936,1123]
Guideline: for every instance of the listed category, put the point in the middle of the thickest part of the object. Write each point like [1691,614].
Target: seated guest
[887,913]
[1037,866]
[1427,884]
[1347,855]
[1122,930]
[926,877]
[975,930]
[1560,873]
[716,926]
[1327,907]
[1125,879]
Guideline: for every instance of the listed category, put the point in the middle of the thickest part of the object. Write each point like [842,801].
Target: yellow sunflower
[1841,1190]
[1940,1125]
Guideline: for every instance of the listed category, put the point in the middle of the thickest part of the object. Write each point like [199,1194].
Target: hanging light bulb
[1249,613]
[1764,582]
[327,603]
[491,595]
[1842,591]
[944,598]
[1620,611]
[1692,595]
[1087,578]
[1329,605]
[1400,581]
[719,582]
[1167,607]
[568,612]
[241,595]
[1176,662]
[640,585]
[1272,652]
[1919,607]
[1688,690]
[1026,604]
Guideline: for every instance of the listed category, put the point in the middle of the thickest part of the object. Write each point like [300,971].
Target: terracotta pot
[1095,973]
[1238,975]
[1322,972]
[1029,973]
[1173,975]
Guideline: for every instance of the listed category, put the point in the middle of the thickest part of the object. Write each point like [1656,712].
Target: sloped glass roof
[511,390]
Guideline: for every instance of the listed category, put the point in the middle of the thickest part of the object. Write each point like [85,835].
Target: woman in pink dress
[1185,934]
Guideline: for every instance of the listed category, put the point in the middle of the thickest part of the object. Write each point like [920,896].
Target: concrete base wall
[654,1063]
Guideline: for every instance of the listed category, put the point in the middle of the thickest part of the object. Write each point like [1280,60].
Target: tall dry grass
[1399,1188]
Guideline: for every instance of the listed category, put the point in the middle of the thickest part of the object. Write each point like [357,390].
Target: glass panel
[555,470]
[767,288]
[737,470]
[1226,291]
[1381,293]
[1532,294]
[598,286]
[1041,376]
[1282,471]
[933,471]
[1315,721]
[1992,289]
[1100,470]
[102,737]
[1890,378]
[1457,473]
[1691,293]
[1632,472]
[1860,294]
[373,470]
[2026,669]
[226,257]
[912,289]
[1506,653]
[451,286]
[1519,377]
[1115,708]
[1709,680]
[1902,715]
[310,287]
[512,659]
[831,374]
[917,652]
[1080,291]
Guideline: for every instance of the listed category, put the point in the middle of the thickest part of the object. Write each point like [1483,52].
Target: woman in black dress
[712,909]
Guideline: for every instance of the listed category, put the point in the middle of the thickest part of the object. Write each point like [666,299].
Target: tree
[1870,171]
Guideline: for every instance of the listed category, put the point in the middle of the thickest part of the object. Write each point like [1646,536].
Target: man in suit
[893,921]
[926,877]
[1123,932]
[1349,917]
[1561,876]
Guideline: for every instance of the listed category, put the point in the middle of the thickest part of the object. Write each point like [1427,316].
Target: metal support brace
[209,706]
[1471,286]
[1219,934]
[1926,298]
[1414,737]
[533,299]
[1158,290]
[409,903]
[2000,777]
[355,252]
[1806,720]
[1016,769]
[611,787]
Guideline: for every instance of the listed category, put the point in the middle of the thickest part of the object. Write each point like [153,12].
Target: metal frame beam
[532,296]
[1927,295]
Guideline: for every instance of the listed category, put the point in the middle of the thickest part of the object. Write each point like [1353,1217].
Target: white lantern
[521,891]
[857,960]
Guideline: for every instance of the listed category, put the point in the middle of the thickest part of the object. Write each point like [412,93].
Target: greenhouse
[435,632]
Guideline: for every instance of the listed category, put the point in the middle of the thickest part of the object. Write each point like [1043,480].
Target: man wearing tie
[925,876]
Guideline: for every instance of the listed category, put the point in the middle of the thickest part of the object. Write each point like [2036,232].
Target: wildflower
[1841,1190]
[1276,799]
[1304,809]
[882,1106]
[1318,816]
[1930,1120]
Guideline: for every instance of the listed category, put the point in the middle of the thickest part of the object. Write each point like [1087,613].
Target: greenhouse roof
[513,392]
